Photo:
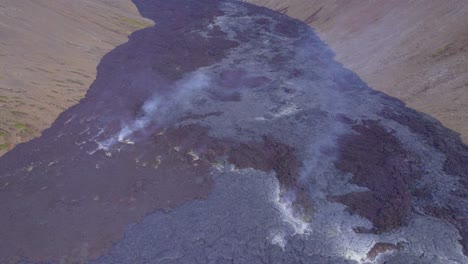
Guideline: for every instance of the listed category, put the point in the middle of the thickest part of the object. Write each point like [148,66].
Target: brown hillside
[413,50]
[49,51]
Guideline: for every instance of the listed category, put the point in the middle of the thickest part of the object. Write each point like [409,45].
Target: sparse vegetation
[19,103]
[43,70]
[18,113]
[4,146]
[75,81]
[3,134]
[80,73]
[133,22]
[447,50]
[20,127]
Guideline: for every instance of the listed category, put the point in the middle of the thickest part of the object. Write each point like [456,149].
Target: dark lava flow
[58,201]
[226,133]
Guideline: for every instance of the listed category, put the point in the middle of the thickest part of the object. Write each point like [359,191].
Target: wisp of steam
[161,109]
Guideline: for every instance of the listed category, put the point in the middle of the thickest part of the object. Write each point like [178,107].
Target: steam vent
[227,133]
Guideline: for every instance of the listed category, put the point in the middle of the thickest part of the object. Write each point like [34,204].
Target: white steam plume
[163,108]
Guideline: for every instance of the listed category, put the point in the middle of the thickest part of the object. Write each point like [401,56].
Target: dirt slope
[413,50]
[48,56]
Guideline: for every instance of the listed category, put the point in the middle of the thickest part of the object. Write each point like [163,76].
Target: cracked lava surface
[226,133]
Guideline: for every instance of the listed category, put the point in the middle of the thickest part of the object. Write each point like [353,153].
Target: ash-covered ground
[227,133]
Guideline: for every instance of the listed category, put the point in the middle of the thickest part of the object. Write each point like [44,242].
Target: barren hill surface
[416,51]
[49,50]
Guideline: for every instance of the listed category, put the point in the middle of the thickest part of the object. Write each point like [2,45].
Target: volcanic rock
[226,133]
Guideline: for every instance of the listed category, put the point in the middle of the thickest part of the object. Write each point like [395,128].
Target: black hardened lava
[57,199]
[227,133]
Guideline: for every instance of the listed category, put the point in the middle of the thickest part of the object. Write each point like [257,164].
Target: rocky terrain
[49,51]
[227,133]
[413,50]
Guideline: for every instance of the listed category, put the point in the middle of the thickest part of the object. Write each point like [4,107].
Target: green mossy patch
[4,146]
